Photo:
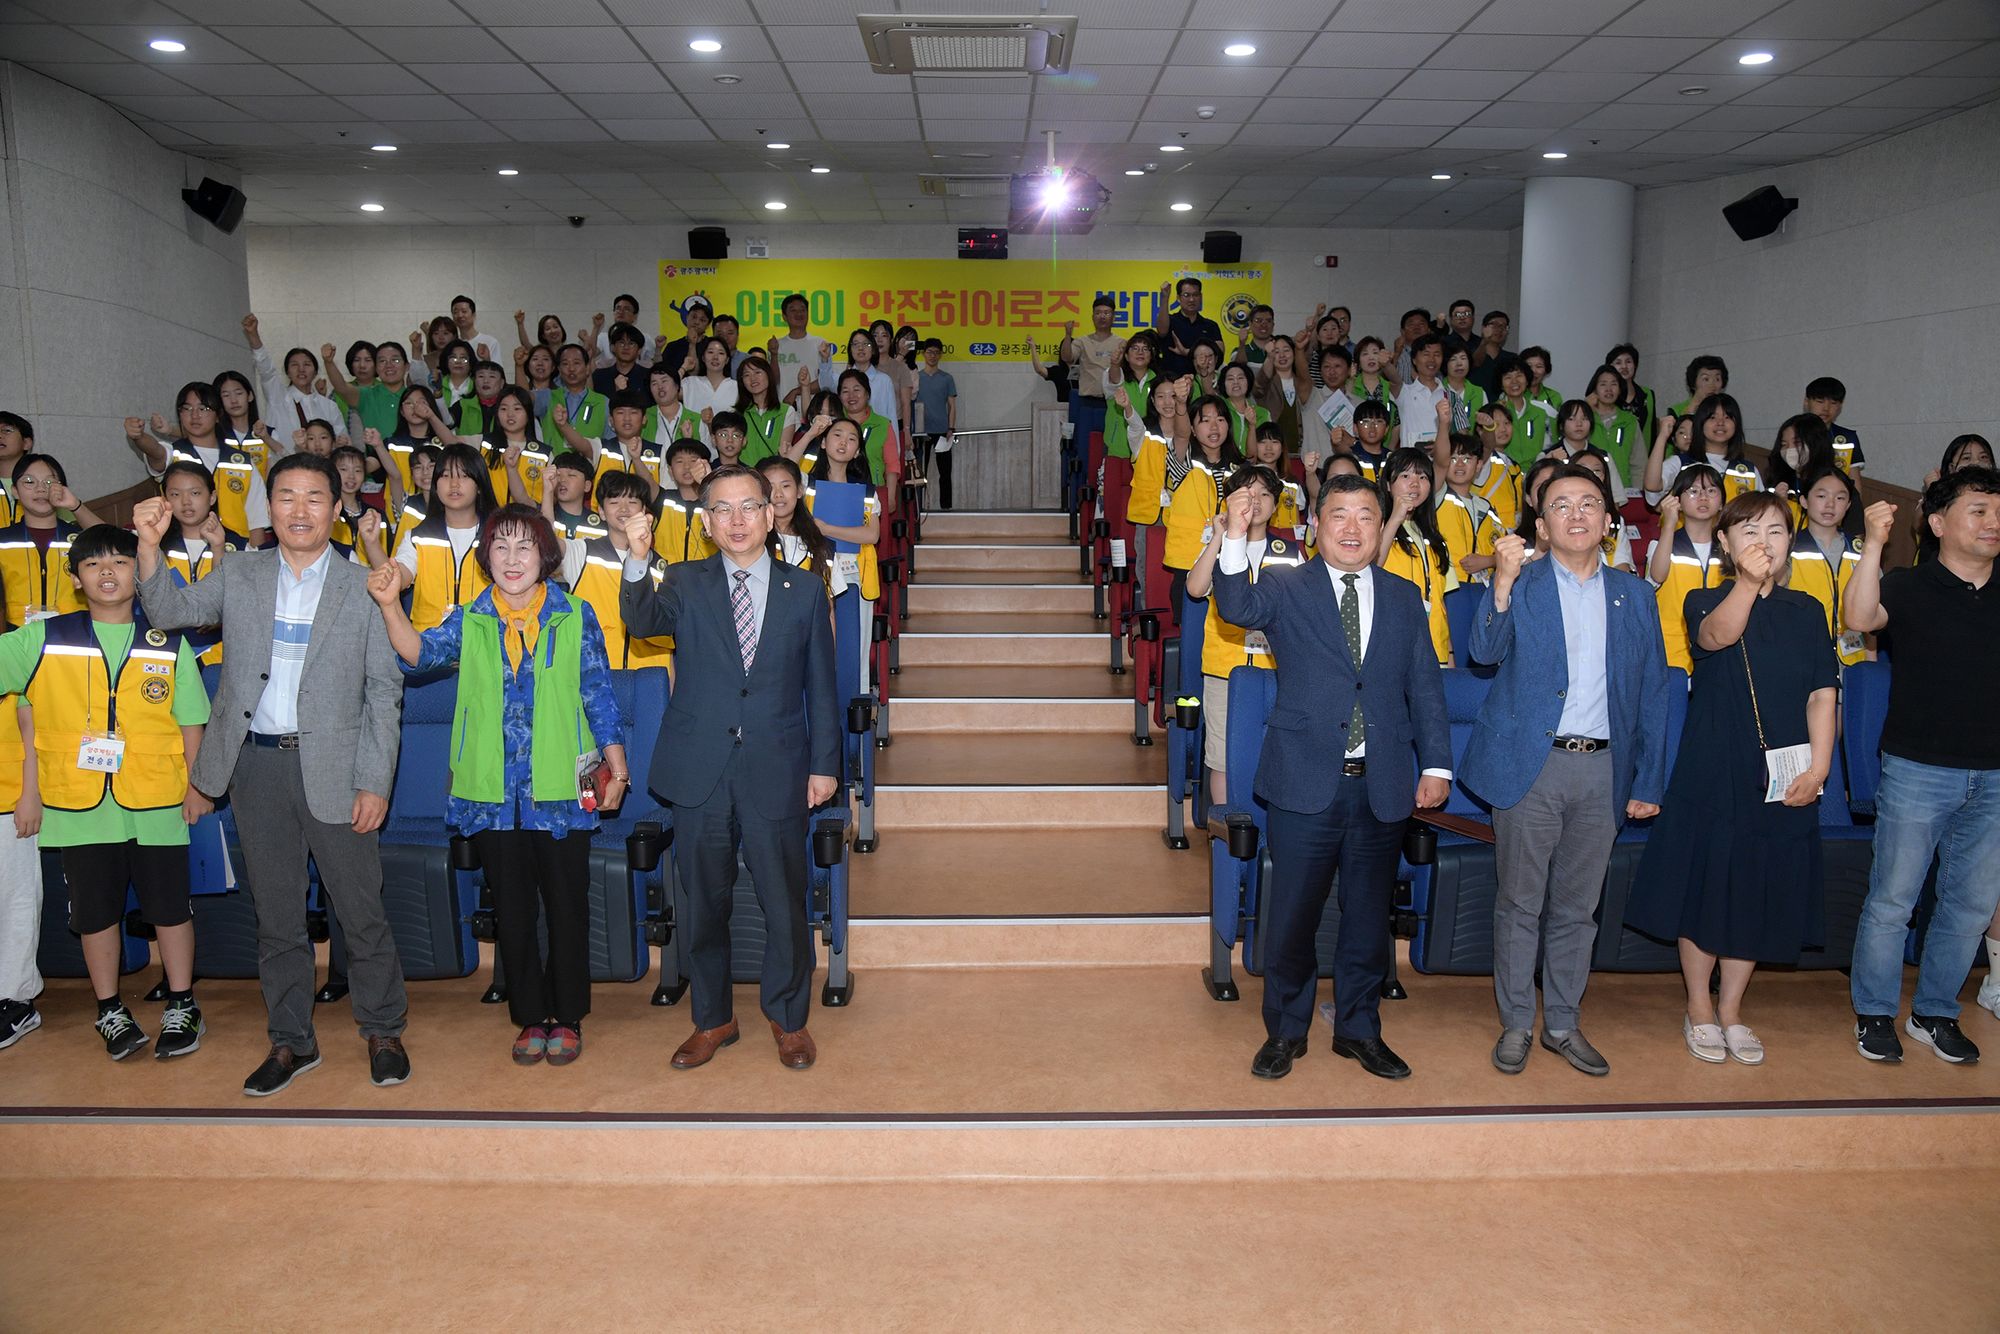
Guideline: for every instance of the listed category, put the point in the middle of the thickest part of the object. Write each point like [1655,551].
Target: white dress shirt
[1416,407]
[291,632]
[1234,558]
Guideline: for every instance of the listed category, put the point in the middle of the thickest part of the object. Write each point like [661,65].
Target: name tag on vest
[101,754]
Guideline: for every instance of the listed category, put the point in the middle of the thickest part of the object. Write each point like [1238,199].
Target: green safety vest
[561,733]
[1116,445]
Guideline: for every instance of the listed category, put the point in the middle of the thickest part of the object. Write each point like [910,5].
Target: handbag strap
[1755,713]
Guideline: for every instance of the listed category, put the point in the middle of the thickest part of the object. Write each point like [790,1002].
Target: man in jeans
[936,414]
[1940,791]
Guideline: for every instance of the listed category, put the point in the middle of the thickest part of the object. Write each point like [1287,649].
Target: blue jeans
[1920,810]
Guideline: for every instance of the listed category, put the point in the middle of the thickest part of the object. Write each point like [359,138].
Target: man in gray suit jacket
[750,744]
[304,734]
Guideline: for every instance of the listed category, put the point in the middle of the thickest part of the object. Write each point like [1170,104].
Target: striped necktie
[746,618]
[1350,621]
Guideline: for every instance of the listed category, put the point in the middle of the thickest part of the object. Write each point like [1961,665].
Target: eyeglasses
[749,509]
[37,484]
[1586,509]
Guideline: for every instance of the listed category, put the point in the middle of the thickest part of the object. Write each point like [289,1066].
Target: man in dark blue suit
[1360,708]
[1570,743]
[750,744]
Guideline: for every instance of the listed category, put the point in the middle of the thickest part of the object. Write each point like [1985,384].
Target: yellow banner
[979,309]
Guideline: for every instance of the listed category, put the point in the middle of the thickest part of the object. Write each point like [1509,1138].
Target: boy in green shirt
[118,711]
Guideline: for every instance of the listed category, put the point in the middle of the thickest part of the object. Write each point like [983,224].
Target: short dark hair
[1826,386]
[1548,362]
[730,472]
[799,297]
[1493,315]
[467,300]
[1261,309]
[930,343]
[1371,409]
[317,464]
[1706,362]
[23,463]
[1423,342]
[1104,299]
[621,332]
[484,365]
[1344,484]
[685,445]
[1623,349]
[1464,303]
[618,483]
[1258,473]
[1576,472]
[1187,282]
[425,452]
[1415,313]
[323,425]
[571,461]
[577,348]
[636,399]
[1336,351]
[1939,495]
[520,518]
[627,296]
[1268,431]
[1743,509]
[186,468]
[1506,365]
[103,539]
[19,423]
[358,345]
[305,352]
[1464,442]
[347,451]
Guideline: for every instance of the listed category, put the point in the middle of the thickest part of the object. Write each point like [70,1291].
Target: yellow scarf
[519,628]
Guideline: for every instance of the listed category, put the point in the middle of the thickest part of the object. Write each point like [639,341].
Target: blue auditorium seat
[1460,605]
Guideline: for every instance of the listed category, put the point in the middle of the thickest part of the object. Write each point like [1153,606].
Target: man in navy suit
[1570,743]
[750,744]
[1360,708]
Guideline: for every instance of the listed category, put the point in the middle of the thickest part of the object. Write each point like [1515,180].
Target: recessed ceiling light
[1694,90]
[1134,171]
[383,148]
[728,79]
[1440,175]
[777,145]
[509,171]
[1172,148]
[1183,207]
[1239,49]
[1755,58]
[708,46]
[168,45]
[1555,156]
[371,208]
[821,171]
[775,205]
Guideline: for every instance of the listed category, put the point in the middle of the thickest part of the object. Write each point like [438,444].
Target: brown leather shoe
[702,1044]
[796,1051]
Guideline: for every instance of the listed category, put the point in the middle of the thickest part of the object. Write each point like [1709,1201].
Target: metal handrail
[993,430]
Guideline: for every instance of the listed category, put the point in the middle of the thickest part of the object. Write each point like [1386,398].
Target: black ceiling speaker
[708,243]
[220,204]
[1758,213]
[1221,248]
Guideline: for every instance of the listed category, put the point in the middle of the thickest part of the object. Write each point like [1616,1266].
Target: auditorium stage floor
[1747,1251]
[998,1042]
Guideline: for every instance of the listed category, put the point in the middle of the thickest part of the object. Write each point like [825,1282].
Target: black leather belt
[271,741]
[1353,768]
[1582,745]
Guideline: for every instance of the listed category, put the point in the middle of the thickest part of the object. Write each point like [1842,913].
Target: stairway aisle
[1012,793]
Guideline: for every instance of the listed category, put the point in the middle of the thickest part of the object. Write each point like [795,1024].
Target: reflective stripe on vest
[72,694]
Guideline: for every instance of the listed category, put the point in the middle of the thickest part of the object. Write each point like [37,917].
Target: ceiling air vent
[940,185]
[968,44]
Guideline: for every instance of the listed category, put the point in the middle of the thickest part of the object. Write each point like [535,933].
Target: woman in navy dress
[1733,877]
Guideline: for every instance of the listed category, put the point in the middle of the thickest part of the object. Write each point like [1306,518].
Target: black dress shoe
[1274,1059]
[1374,1055]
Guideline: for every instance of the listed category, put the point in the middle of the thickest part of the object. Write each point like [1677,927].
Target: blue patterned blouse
[600,706]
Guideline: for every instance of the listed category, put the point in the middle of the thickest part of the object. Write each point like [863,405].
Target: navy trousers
[1306,852]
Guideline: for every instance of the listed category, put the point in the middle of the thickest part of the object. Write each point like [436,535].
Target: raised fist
[371,526]
[559,414]
[639,536]
[1877,521]
[1670,513]
[700,470]
[1236,513]
[521,356]
[385,584]
[520,317]
[160,428]
[1753,562]
[326,351]
[250,331]
[319,386]
[211,531]
[151,518]
[1510,552]
[825,350]
[62,497]
[134,428]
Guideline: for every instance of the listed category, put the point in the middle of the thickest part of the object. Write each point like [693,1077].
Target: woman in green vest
[879,447]
[1613,428]
[537,750]
[1134,370]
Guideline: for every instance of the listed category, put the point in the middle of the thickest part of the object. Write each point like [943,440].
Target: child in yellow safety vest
[1195,474]
[118,709]
[1412,546]
[1224,646]
[1824,557]
[1267,447]
[1684,558]
[439,568]
[34,550]
[593,565]
[678,534]
[1468,522]
[197,542]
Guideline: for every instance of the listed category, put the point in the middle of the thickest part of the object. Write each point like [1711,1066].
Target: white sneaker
[1989,993]
[1705,1041]
[1743,1044]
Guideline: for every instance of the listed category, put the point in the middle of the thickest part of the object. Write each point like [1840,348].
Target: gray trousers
[277,830]
[1550,855]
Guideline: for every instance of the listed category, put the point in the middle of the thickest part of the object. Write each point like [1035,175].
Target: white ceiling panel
[1384,50]
[1689,18]
[1500,52]
[480,77]
[1928,92]
[1576,86]
[1259,18]
[386,13]
[342,79]
[1885,57]
[1977,19]
[1459,84]
[1560,17]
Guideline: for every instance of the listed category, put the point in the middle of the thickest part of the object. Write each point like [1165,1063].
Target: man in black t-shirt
[1181,327]
[1940,765]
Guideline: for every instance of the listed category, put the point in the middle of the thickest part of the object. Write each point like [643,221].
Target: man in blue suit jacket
[751,742]
[1360,707]
[1570,743]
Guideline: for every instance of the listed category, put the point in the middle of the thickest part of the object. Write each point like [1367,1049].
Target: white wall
[112,294]
[311,285]
[1887,276]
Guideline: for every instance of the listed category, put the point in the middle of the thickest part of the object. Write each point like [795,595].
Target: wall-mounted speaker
[1758,213]
[1221,248]
[220,204]
[708,243]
